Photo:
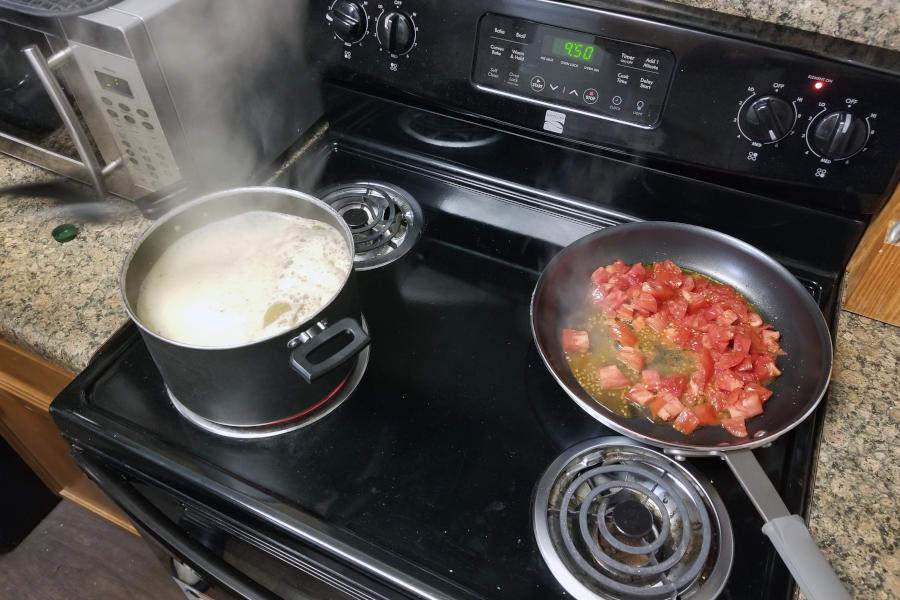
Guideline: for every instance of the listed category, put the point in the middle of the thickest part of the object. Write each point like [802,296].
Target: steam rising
[239,73]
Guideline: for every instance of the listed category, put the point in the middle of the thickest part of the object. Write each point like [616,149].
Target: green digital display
[567,48]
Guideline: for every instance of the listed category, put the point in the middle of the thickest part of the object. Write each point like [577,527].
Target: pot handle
[787,532]
[311,371]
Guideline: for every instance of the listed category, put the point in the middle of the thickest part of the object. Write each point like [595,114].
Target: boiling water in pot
[243,279]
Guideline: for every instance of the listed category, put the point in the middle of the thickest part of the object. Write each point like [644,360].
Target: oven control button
[767,119]
[348,19]
[839,135]
[396,33]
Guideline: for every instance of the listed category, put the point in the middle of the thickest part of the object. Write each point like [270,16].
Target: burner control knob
[396,33]
[767,119]
[348,20]
[839,135]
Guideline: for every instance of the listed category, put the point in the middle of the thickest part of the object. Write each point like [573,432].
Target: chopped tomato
[763,393]
[623,334]
[748,405]
[651,379]
[677,312]
[601,275]
[687,422]
[646,302]
[765,368]
[611,378]
[671,409]
[674,384]
[575,340]
[735,426]
[631,357]
[640,394]
[726,381]
[706,414]
[729,360]
[658,322]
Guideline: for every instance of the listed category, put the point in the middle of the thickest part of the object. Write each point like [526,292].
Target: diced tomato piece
[647,302]
[660,291]
[680,336]
[625,312]
[747,376]
[601,275]
[687,421]
[671,409]
[575,340]
[651,379]
[741,343]
[677,307]
[764,366]
[656,405]
[748,405]
[687,283]
[612,378]
[696,383]
[754,320]
[613,300]
[726,381]
[617,267]
[667,273]
[622,334]
[696,322]
[674,384]
[658,322]
[639,394]
[637,273]
[620,282]
[764,393]
[770,338]
[719,337]
[706,414]
[705,363]
[745,366]
[729,360]
[631,357]
[728,317]
[638,323]
[735,427]
[696,300]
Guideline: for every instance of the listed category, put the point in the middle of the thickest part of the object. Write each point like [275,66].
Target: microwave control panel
[116,86]
[579,72]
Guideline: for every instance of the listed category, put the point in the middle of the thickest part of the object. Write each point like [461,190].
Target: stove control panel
[580,72]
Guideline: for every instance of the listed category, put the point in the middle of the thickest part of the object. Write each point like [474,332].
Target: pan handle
[787,532]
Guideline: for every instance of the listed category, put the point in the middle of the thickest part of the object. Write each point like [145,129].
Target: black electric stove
[422,482]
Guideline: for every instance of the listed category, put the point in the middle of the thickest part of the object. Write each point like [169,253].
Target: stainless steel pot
[270,380]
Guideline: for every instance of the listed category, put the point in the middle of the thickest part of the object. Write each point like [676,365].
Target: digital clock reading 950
[568,48]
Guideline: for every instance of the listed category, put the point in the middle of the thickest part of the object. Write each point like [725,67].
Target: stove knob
[397,33]
[839,135]
[768,119]
[348,20]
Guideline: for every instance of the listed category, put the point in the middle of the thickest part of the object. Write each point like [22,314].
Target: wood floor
[74,555]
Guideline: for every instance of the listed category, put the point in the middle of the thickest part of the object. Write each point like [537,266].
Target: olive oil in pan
[660,355]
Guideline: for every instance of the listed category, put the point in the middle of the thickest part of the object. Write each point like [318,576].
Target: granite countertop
[872,22]
[61,301]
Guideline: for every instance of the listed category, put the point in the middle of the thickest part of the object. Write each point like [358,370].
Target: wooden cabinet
[28,385]
[873,275]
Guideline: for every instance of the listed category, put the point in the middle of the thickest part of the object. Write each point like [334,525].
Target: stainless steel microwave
[157,94]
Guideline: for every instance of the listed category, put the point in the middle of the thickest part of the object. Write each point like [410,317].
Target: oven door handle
[152,521]
[43,67]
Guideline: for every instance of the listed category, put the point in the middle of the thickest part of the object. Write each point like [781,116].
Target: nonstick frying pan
[782,301]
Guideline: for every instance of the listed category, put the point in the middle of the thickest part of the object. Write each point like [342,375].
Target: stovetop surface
[431,465]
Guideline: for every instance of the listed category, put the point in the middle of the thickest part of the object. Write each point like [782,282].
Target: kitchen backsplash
[872,22]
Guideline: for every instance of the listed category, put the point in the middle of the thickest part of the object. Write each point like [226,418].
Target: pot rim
[174,213]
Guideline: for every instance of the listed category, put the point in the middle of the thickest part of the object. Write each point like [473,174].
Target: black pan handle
[151,521]
[309,370]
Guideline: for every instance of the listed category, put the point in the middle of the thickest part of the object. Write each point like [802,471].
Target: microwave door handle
[44,69]
[153,522]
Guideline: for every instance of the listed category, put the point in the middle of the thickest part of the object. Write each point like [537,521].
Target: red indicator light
[819,85]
